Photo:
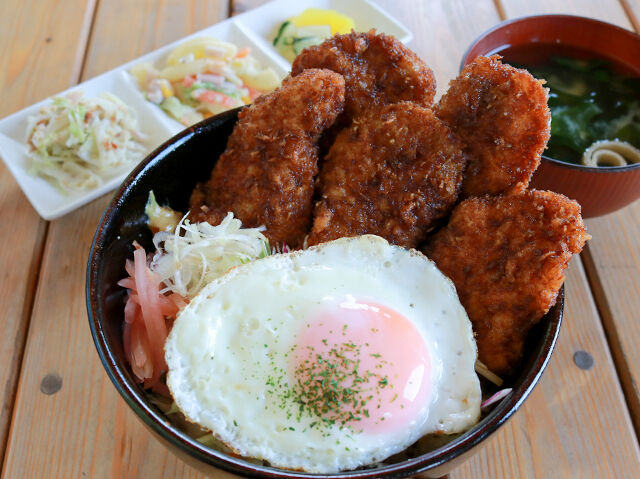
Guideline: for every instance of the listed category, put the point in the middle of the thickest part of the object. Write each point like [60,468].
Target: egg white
[235,335]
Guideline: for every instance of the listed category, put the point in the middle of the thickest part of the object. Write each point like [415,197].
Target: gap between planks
[21,337]
[612,335]
[635,22]
[500,8]
[620,361]
[35,265]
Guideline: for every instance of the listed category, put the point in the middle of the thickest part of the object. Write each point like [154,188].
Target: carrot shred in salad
[76,143]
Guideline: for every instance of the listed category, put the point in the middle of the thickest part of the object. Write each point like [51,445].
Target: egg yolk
[362,365]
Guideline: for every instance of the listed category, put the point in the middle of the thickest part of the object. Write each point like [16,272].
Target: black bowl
[172,171]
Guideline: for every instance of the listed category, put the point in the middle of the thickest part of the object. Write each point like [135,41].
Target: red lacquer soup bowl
[599,190]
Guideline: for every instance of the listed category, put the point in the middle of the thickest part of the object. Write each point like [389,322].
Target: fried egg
[326,359]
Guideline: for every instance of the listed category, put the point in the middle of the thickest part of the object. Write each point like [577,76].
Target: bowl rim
[556,16]
[592,169]
[160,425]
[548,16]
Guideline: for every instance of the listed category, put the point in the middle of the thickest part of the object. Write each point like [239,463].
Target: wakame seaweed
[588,102]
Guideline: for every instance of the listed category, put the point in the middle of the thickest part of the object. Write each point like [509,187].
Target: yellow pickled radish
[338,22]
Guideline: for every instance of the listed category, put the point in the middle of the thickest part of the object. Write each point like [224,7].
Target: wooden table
[62,418]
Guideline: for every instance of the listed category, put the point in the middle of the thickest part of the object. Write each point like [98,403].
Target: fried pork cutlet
[506,256]
[393,173]
[377,69]
[501,115]
[265,176]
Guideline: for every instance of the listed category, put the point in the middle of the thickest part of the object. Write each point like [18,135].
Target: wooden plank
[575,423]
[102,438]
[39,39]
[632,7]
[613,264]
[610,11]
[125,30]
[85,429]
[572,399]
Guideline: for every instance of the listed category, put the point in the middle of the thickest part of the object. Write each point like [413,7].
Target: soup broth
[590,98]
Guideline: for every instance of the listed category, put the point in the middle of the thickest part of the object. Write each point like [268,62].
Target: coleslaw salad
[76,143]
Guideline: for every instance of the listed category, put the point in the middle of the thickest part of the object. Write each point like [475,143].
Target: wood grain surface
[567,397]
[632,8]
[612,261]
[575,424]
[612,12]
[39,41]
[85,429]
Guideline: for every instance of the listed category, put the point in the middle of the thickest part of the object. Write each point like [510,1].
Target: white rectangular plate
[255,29]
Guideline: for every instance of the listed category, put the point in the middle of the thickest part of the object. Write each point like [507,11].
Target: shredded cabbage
[76,142]
[197,253]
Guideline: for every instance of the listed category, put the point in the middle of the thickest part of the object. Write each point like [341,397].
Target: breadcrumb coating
[266,174]
[506,256]
[377,69]
[394,172]
[501,114]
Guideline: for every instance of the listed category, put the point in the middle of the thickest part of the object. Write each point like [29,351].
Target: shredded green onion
[197,253]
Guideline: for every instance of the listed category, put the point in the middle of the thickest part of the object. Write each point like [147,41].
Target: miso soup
[591,99]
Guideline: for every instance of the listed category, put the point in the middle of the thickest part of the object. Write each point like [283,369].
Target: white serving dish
[262,23]
[254,29]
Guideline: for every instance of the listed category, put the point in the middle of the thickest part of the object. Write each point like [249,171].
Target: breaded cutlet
[378,69]
[506,256]
[501,115]
[266,174]
[394,172]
